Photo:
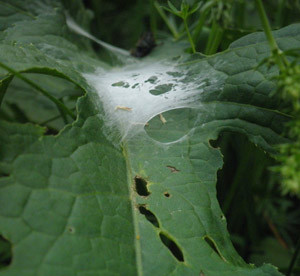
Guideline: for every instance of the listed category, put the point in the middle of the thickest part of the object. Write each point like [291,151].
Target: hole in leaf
[141,186]
[173,169]
[121,84]
[172,125]
[166,194]
[51,131]
[5,252]
[152,79]
[172,246]
[149,215]
[161,89]
[3,174]
[213,246]
[214,143]
[71,230]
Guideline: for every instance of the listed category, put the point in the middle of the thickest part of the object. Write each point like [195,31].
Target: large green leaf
[108,195]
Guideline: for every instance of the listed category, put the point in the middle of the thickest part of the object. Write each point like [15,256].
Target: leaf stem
[189,35]
[214,38]
[275,231]
[153,23]
[52,119]
[216,41]
[241,14]
[266,26]
[165,18]
[58,103]
[293,261]
[4,83]
[280,13]
[199,26]
[279,58]
[63,115]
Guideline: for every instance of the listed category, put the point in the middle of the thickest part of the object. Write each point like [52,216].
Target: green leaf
[57,102]
[108,196]
[195,8]
[34,106]
[173,8]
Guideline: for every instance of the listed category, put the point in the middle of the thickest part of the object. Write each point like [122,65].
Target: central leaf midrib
[137,244]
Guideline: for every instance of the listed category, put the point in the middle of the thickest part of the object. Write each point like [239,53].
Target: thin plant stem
[280,59]
[201,21]
[233,189]
[266,25]
[216,41]
[58,103]
[275,231]
[189,35]
[212,34]
[63,115]
[199,26]
[294,258]
[241,14]
[166,20]
[53,118]
[153,23]
[280,13]
[4,83]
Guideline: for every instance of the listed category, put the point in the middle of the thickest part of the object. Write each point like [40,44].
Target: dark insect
[144,46]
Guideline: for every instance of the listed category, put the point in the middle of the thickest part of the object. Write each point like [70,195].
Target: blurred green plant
[288,89]
[184,13]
